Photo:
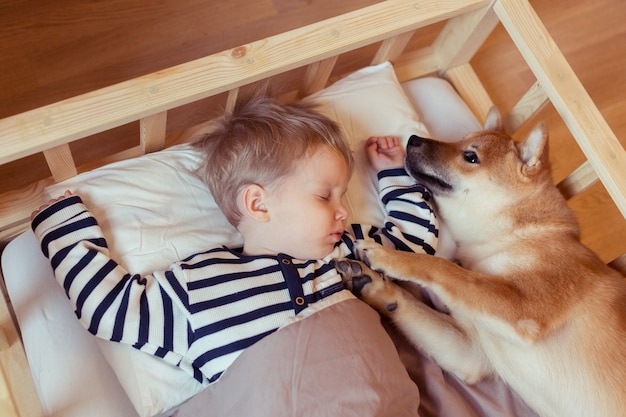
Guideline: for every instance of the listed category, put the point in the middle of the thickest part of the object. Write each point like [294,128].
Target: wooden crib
[292,65]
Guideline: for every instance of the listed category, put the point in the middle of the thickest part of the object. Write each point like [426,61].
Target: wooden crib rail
[556,81]
[51,128]
[595,138]
[90,113]
[317,48]
[60,162]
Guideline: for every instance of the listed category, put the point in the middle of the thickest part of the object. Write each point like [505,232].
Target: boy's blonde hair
[260,142]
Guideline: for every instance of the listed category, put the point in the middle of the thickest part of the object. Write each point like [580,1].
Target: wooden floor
[51,50]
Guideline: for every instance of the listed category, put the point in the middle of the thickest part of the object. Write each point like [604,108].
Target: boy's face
[307,216]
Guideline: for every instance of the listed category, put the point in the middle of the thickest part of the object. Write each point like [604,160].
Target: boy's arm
[109,301]
[410,222]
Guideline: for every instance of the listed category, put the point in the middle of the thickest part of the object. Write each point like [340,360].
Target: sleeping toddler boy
[278,173]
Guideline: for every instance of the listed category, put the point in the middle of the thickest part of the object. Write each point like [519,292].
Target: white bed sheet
[62,355]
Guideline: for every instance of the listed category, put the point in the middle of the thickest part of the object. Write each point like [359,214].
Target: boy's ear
[254,198]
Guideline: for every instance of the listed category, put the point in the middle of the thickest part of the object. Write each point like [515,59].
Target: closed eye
[471,157]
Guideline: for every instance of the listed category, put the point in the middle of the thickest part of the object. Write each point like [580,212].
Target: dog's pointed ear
[493,121]
[534,149]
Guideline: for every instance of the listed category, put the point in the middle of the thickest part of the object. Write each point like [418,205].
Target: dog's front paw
[368,285]
[371,253]
[352,275]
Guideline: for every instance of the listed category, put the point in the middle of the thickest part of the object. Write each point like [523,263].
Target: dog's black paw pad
[342,266]
[391,307]
[348,268]
[356,268]
[358,283]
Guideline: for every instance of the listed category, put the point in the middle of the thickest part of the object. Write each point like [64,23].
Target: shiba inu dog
[527,301]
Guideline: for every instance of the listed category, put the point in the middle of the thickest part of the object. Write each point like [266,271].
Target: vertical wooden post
[463,35]
[317,75]
[529,105]
[454,48]
[152,132]
[470,89]
[392,48]
[60,162]
[231,100]
[567,94]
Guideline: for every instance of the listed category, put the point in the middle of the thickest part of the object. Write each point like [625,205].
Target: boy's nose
[342,213]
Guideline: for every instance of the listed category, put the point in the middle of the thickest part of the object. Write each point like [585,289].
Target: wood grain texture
[568,95]
[125,102]
[60,162]
[55,50]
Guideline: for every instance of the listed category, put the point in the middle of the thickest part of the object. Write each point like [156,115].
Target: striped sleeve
[109,301]
[410,223]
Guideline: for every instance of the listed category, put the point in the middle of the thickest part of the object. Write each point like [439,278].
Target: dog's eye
[471,157]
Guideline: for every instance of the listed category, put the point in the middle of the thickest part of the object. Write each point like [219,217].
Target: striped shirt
[206,309]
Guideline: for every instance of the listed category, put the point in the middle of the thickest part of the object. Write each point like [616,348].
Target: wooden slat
[392,48]
[18,396]
[7,406]
[462,36]
[19,383]
[454,48]
[318,74]
[529,105]
[415,64]
[257,89]
[231,100]
[4,340]
[93,112]
[60,162]
[595,138]
[583,177]
[118,156]
[8,232]
[471,90]
[17,206]
[152,131]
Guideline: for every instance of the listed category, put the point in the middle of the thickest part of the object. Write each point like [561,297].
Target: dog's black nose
[415,140]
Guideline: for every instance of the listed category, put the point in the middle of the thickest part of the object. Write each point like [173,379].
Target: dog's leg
[435,333]
[508,310]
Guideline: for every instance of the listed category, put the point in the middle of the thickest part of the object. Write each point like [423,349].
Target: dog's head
[485,174]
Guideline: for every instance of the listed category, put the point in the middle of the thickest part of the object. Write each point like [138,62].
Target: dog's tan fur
[530,302]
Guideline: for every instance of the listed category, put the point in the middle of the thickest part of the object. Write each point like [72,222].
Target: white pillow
[441,109]
[369,102]
[154,210]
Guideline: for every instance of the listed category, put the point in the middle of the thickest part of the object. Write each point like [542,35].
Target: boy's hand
[49,203]
[385,152]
